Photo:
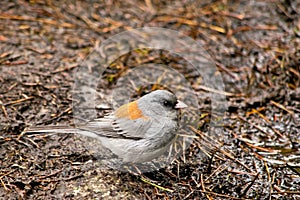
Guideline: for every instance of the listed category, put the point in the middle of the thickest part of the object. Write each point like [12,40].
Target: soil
[256,48]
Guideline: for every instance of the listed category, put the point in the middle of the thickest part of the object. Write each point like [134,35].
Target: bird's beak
[180,104]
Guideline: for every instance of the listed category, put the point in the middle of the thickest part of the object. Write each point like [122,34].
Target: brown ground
[256,45]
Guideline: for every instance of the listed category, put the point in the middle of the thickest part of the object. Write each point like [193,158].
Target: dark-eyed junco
[136,132]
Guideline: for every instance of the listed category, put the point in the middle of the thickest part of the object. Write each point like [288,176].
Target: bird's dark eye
[167,103]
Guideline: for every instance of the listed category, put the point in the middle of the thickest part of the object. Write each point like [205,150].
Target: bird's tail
[51,129]
[58,129]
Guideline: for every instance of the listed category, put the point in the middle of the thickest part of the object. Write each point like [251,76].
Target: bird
[136,132]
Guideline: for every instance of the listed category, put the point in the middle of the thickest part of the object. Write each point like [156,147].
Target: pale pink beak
[180,105]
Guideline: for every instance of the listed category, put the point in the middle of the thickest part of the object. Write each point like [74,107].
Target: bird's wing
[127,121]
[110,126]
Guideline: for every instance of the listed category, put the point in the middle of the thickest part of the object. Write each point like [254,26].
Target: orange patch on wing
[130,111]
